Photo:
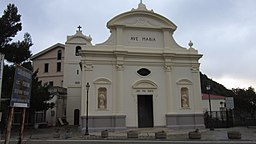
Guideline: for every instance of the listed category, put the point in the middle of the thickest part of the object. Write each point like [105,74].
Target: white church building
[139,77]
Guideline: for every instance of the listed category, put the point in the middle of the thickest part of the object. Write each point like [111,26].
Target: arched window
[102,98]
[184,97]
[59,55]
[78,48]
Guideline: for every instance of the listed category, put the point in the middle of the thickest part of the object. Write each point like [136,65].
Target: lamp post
[86,124]
[208,88]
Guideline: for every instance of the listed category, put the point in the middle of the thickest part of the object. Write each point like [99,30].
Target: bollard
[68,134]
[132,134]
[160,135]
[56,134]
[104,134]
[234,135]
[194,134]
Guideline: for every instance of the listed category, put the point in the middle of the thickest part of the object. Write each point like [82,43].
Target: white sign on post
[229,102]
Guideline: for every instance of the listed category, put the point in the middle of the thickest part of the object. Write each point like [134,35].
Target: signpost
[229,102]
[1,79]
[20,98]
[1,74]
[21,88]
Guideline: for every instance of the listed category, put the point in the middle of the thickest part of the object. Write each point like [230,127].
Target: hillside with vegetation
[216,88]
[244,99]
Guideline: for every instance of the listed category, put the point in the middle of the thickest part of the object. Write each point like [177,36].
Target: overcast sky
[224,31]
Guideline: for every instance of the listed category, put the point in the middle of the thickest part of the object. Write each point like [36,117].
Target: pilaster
[87,69]
[119,35]
[169,89]
[120,89]
[166,33]
[196,88]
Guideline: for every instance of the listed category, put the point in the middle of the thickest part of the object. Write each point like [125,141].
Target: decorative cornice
[184,81]
[144,84]
[102,80]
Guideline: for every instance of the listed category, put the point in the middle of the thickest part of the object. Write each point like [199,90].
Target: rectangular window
[46,67]
[58,66]
[59,55]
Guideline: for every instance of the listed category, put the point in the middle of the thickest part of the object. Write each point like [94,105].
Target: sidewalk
[71,132]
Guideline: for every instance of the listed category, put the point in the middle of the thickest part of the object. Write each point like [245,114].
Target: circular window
[143,72]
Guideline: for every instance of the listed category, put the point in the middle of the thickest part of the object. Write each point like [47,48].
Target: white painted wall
[215,104]
[123,54]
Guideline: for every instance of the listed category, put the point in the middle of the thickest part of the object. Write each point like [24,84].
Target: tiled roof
[47,50]
[206,96]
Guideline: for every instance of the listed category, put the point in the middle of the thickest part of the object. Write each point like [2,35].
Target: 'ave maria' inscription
[150,39]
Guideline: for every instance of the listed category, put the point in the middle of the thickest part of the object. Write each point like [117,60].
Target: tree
[18,53]
[245,100]
[15,52]
[10,24]
[40,94]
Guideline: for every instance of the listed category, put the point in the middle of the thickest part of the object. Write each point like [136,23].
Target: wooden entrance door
[145,111]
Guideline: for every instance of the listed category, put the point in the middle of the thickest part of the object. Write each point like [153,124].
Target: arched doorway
[76,116]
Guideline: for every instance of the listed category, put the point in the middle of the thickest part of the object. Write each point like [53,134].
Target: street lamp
[86,124]
[208,88]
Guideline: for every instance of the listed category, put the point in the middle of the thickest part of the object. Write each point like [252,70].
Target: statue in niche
[184,98]
[102,98]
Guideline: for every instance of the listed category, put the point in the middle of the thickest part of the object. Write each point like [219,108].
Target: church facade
[139,77]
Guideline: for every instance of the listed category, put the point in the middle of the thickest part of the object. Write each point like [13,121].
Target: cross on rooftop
[79,28]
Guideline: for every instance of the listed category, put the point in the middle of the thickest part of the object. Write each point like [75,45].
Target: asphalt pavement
[72,133]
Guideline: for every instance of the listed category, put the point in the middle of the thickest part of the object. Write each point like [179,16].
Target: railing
[39,118]
[218,119]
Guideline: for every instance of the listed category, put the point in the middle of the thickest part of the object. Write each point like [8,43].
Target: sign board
[21,87]
[229,102]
